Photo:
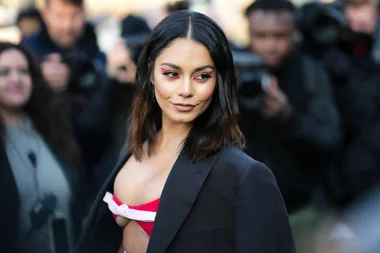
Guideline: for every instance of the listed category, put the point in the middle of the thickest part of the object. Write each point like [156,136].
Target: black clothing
[300,150]
[227,202]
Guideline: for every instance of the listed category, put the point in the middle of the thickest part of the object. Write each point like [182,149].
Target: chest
[142,181]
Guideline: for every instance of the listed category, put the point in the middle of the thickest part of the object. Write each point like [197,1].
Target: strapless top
[144,214]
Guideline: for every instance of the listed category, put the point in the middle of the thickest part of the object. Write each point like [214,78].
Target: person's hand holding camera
[56,72]
[276,104]
[120,65]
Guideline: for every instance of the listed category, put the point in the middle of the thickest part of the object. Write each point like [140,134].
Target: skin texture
[29,26]
[64,21]
[173,85]
[271,35]
[183,73]
[15,80]
[362,18]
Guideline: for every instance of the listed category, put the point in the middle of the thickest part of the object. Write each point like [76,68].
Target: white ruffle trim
[126,212]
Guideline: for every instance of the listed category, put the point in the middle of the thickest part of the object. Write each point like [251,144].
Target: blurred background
[308,92]
[103,13]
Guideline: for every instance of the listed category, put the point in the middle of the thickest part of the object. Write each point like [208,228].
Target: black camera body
[84,75]
[322,25]
[253,78]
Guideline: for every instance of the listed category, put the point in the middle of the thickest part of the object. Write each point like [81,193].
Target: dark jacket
[10,204]
[41,45]
[227,202]
[300,150]
[104,125]
[360,170]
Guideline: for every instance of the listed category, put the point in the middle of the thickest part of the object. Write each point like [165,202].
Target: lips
[184,107]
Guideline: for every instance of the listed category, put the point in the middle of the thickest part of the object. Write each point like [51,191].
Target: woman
[39,186]
[184,185]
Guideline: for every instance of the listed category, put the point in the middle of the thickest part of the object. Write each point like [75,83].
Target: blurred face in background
[29,26]
[271,35]
[65,22]
[15,80]
[362,18]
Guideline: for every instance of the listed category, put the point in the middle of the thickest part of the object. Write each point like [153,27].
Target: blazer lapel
[179,194]
[108,186]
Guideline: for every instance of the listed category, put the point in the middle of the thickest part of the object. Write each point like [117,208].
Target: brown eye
[4,72]
[172,75]
[24,71]
[203,77]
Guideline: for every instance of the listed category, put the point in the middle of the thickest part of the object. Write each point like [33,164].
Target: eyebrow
[174,66]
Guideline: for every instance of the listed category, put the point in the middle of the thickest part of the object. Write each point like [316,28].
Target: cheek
[285,44]
[259,45]
[28,86]
[3,84]
[205,92]
[163,88]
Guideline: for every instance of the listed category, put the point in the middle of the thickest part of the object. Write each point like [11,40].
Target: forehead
[185,52]
[264,20]
[12,57]
[62,6]
[361,9]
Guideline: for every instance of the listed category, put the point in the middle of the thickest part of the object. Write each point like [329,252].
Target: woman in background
[39,161]
[184,185]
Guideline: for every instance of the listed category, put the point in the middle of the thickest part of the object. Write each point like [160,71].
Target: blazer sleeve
[262,223]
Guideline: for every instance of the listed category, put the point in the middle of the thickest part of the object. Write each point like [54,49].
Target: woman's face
[15,80]
[184,80]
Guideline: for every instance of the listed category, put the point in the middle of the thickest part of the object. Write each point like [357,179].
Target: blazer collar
[181,189]
[179,194]
[107,186]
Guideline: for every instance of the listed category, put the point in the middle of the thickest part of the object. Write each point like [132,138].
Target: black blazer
[227,202]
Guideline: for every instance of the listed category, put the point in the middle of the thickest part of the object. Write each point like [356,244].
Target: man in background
[295,128]
[29,21]
[72,64]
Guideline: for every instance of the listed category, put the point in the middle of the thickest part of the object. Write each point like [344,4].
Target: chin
[182,119]
[16,103]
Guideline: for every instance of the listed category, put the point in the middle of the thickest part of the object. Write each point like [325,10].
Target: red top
[150,206]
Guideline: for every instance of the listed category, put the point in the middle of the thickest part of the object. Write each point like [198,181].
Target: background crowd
[309,94]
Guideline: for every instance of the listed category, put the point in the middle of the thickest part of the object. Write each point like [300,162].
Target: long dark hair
[217,126]
[47,113]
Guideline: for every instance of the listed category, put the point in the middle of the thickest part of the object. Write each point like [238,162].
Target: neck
[12,118]
[172,135]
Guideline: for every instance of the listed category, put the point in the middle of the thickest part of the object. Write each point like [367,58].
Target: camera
[84,75]
[322,25]
[253,78]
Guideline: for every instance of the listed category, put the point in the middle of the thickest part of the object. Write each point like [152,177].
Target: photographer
[71,62]
[352,61]
[115,99]
[351,58]
[295,127]
[64,35]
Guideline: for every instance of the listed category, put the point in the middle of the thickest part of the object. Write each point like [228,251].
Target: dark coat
[227,202]
[10,203]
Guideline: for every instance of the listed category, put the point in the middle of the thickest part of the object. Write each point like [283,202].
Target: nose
[67,24]
[186,89]
[15,76]
[271,43]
